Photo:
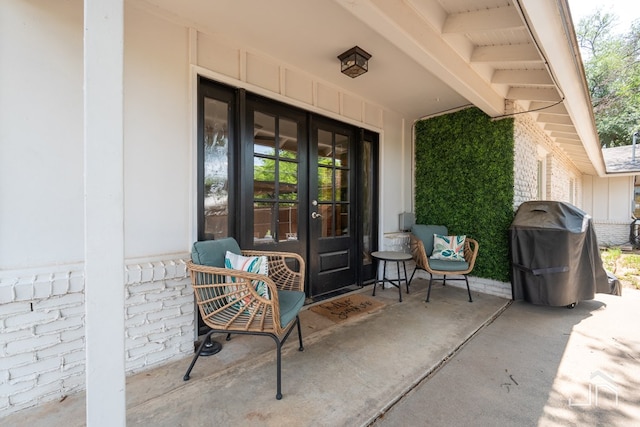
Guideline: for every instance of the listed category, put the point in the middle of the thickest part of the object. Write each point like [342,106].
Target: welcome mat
[347,307]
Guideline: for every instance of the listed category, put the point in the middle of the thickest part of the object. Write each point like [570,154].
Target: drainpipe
[633,150]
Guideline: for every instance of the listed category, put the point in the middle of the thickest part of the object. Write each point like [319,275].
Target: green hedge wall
[464,180]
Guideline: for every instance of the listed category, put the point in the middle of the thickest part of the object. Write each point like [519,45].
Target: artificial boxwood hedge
[464,180]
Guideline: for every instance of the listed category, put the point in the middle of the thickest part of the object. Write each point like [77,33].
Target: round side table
[397,257]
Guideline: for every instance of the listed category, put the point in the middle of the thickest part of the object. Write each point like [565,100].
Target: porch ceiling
[428,56]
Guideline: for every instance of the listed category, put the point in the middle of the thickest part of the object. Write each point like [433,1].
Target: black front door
[331,187]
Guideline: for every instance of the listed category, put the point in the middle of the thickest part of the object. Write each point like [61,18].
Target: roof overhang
[429,56]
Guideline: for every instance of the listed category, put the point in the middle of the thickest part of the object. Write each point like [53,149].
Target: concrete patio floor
[448,362]
[538,366]
[348,374]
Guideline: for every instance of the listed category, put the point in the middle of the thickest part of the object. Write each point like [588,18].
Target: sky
[625,10]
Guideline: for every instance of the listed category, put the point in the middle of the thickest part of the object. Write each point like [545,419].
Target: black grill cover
[554,254]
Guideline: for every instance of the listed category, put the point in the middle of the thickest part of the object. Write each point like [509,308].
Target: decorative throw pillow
[449,248]
[253,264]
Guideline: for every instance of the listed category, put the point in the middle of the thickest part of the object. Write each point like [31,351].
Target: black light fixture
[354,62]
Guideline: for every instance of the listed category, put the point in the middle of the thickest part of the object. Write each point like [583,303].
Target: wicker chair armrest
[471,247]
[280,271]
[418,252]
[227,299]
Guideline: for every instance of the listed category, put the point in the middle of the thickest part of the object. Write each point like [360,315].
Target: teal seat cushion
[426,232]
[444,265]
[212,252]
[290,304]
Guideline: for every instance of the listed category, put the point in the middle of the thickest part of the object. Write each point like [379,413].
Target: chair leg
[193,361]
[228,337]
[414,272]
[399,281]
[406,282]
[429,291]
[301,348]
[444,280]
[278,368]
[468,290]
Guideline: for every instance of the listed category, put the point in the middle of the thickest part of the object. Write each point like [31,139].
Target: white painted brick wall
[612,233]
[42,355]
[37,308]
[525,174]
[159,313]
[559,169]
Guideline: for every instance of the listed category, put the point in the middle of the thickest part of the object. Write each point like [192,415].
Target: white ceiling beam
[565,141]
[522,77]
[576,153]
[520,53]
[555,118]
[548,108]
[534,94]
[565,135]
[499,18]
[419,38]
[560,128]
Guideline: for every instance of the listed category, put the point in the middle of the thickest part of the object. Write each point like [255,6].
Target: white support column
[104,212]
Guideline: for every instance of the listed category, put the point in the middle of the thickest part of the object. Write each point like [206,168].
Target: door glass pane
[264,127]
[288,172]
[326,210]
[325,184]
[264,178]
[288,221]
[342,185]
[288,139]
[342,219]
[288,183]
[216,169]
[366,208]
[263,222]
[325,147]
[342,150]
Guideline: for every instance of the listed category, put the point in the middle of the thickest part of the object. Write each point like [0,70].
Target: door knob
[315,215]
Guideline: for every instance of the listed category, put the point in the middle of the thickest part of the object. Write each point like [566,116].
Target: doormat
[347,307]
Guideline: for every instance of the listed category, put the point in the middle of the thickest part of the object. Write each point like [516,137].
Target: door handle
[315,215]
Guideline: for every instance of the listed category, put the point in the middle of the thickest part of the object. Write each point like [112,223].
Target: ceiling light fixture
[354,62]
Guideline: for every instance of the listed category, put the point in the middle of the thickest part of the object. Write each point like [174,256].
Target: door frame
[241,157]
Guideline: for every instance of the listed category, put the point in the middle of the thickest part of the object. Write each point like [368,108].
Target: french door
[332,192]
[279,178]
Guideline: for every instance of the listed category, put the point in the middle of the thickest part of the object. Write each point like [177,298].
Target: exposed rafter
[522,77]
[501,18]
[518,53]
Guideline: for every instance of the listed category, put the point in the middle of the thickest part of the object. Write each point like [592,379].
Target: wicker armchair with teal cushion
[436,252]
[247,292]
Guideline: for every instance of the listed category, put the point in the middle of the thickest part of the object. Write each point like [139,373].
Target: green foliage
[625,266]
[464,180]
[631,261]
[610,258]
[612,67]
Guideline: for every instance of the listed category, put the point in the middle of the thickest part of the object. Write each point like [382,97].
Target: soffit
[428,55]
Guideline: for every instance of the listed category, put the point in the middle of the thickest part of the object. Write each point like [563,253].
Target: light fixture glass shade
[354,62]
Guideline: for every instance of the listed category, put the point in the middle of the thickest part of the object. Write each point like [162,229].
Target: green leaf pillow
[450,248]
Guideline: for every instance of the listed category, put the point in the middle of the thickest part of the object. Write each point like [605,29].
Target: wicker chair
[228,300]
[421,245]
